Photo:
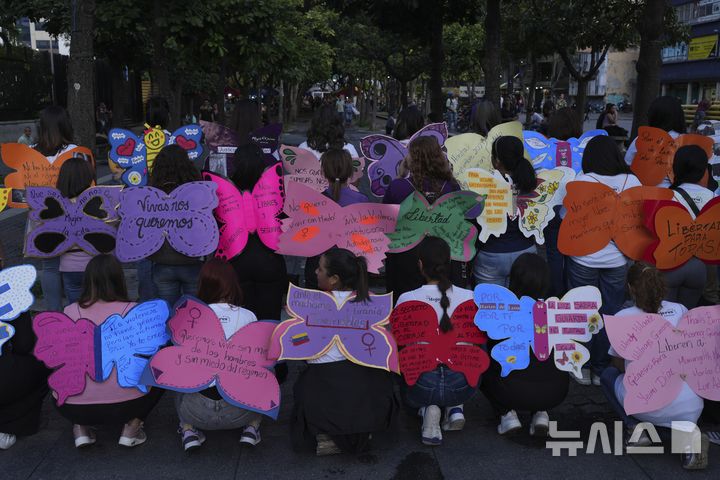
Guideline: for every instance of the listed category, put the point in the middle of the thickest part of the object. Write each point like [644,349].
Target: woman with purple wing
[74,178]
[104,294]
[337,168]
[429,174]
[496,256]
[338,404]
[173,273]
[539,387]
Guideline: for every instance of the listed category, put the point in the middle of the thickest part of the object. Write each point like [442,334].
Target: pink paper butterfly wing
[231,213]
[268,200]
[311,224]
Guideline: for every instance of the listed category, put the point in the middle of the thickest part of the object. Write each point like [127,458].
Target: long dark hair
[530,276]
[509,151]
[603,157]
[690,165]
[245,119]
[326,130]
[249,166]
[426,161]
[54,130]
[564,124]
[409,121]
[350,269]
[218,283]
[157,112]
[434,253]
[337,167]
[172,168]
[667,113]
[103,281]
[75,177]
[646,286]
[485,115]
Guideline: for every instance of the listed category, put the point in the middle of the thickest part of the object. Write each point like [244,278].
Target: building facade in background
[32,35]
[691,70]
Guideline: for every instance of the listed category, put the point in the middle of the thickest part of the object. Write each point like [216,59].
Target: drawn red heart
[126,148]
[185,143]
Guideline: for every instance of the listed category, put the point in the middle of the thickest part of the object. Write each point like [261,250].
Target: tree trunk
[491,62]
[81,74]
[403,94]
[161,84]
[281,101]
[294,88]
[533,84]
[119,89]
[652,30]
[175,105]
[437,57]
[220,91]
[581,96]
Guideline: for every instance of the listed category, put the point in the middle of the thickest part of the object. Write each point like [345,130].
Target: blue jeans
[173,281]
[51,283]
[452,120]
[146,287]
[72,285]
[611,283]
[607,381]
[494,267]
[441,387]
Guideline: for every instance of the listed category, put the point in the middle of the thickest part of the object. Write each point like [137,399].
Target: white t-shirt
[348,146]
[431,294]
[52,158]
[232,318]
[632,151]
[687,406]
[609,256]
[334,354]
[699,195]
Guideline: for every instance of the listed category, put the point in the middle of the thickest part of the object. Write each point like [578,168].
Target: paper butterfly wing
[15,294]
[310,227]
[68,347]
[49,210]
[269,198]
[588,225]
[470,360]
[631,235]
[385,154]
[236,223]
[578,146]
[188,137]
[505,317]
[6,333]
[303,167]
[127,341]
[96,207]
[203,238]
[538,210]
[129,152]
[540,148]
[571,320]
[366,226]
[134,243]
[4,197]
[498,201]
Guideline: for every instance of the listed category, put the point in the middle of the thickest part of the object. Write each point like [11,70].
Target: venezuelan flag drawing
[299,339]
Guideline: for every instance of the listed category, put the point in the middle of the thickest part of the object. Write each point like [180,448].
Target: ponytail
[509,152]
[647,287]
[337,167]
[362,288]
[434,253]
[350,269]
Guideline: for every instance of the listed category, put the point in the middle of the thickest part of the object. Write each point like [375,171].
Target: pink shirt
[108,391]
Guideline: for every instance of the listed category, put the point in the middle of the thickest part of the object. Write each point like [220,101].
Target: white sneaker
[509,423]
[83,435]
[431,432]
[7,440]
[454,418]
[585,380]
[132,436]
[540,424]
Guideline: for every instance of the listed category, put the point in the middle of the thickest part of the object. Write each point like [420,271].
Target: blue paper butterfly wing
[503,317]
[540,149]
[192,133]
[6,333]
[134,163]
[15,294]
[125,342]
[577,145]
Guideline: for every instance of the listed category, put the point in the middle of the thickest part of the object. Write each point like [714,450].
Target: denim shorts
[205,413]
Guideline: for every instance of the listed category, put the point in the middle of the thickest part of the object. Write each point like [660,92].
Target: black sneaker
[192,439]
[250,436]
[697,461]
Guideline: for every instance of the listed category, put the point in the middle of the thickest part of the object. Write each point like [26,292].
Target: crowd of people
[338,404]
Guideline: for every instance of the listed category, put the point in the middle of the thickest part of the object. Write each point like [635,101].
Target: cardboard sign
[242,213]
[549,153]
[184,218]
[679,236]
[656,151]
[32,168]
[136,155]
[543,326]
[415,327]
[319,322]
[664,356]
[221,142]
[4,197]
[596,215]
[446,218]
[202,357]
[15,297]
[535,209]
[315,224]
[64,224]
[80,349]
[470,150]
[268,139]
[385,154]
[304,167]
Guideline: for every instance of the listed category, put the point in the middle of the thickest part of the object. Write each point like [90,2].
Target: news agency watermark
[685,438]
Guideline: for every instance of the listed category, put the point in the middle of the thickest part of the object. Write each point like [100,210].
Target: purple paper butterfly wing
[192,229]
[437,130]
[385,154]
[367,345]
[312,336]
[51,212]
[136,239]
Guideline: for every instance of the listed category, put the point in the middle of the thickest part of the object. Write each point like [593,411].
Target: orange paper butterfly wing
[32,169]
[587,226]
[631,235]
[656,151]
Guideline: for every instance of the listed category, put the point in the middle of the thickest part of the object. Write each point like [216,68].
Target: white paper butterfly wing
[15,294]
[498,201]
[537,213]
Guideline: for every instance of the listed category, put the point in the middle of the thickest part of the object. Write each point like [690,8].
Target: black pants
[112,413]
[23,386]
